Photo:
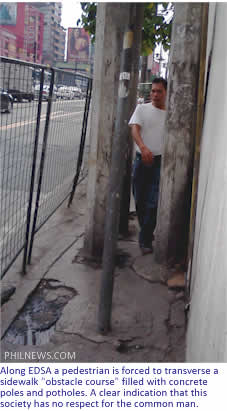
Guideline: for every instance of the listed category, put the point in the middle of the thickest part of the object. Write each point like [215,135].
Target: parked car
[6,101]
[77,92]
[65,93]
[45,93]
[19,95]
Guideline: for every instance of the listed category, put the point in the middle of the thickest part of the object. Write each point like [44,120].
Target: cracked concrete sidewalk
[148,318]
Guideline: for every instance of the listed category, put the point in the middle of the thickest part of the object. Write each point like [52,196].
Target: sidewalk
[62,295]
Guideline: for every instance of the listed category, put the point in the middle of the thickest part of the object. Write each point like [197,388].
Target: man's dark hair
[160,80]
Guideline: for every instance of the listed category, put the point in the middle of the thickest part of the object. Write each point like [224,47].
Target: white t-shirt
[152,121]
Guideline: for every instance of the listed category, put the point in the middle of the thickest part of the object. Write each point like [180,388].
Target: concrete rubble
[148,317]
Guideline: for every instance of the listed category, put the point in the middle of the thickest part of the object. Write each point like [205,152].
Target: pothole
[36,322]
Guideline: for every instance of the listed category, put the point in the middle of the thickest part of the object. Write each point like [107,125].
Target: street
[17,148]
[17,137]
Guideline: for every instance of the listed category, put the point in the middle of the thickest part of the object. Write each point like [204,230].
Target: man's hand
[147,155]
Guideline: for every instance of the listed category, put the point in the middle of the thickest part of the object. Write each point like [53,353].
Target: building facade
[21,31]
[54,33]
[8,44]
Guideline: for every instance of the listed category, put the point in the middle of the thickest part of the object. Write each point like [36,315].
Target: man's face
[158,95]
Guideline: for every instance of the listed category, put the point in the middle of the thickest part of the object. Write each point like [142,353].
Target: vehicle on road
[19,95]
[77,92]
[17,80]
[45,93]
[6,102]
[65,93]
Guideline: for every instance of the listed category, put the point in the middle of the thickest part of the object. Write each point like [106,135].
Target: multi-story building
[8,44]
[21,31]
[54,33]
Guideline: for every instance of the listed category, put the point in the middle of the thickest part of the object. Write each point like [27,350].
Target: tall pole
[126,192]
[171,234]
[116,182]
[34,57]
[198,135]
[110,24]
[160,61]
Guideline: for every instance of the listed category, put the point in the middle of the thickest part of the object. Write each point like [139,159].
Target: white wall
[207,331]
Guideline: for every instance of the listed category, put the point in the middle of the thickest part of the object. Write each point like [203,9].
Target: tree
[156,28]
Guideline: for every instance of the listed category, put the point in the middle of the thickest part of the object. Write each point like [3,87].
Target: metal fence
[42,142]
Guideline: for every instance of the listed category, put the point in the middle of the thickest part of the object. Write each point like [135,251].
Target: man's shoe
[146,250]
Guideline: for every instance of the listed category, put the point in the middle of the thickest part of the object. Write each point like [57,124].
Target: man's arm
[147,155]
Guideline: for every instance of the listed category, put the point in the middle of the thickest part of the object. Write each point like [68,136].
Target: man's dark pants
[145,184]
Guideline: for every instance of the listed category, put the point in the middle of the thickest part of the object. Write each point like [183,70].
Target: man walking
[147,124]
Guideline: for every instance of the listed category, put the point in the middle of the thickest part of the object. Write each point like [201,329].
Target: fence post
[82,140]
[33,174]
[42,163]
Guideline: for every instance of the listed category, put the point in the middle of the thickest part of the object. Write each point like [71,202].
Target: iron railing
[41,152]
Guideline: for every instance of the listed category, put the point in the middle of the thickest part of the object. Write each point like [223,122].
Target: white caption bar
[112,386]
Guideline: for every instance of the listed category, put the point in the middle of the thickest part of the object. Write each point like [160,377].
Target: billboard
[78,45]
[8,14]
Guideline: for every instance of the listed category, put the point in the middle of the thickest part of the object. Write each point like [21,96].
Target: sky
[71,12]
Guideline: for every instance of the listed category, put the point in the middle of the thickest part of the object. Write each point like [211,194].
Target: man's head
[158,92]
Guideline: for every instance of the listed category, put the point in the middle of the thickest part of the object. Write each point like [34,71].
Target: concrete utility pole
[176,174]
[136,51]
[118,163]
[110,23]
[198,135]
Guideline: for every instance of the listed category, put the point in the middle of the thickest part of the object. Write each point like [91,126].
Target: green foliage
[88,18]
[156,28]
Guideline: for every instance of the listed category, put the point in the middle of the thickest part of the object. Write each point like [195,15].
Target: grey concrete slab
[177,315]
[148,321]
[146,267]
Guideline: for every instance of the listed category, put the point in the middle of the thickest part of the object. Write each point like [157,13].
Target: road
[16,156]
[18,131]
